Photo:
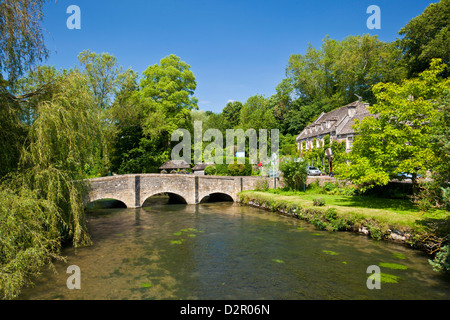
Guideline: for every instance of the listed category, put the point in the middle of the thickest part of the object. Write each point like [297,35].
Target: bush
[236,169]
[233,169]
[294,174]
[210,170]
[318,202]
[329,186]
[441,261]
[262,185]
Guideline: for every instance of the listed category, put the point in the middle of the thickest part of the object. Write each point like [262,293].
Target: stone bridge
[134,189]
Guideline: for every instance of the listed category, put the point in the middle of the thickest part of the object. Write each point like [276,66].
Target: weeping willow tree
[41,204]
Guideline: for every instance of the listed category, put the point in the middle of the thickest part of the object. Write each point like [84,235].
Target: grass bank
[382,219]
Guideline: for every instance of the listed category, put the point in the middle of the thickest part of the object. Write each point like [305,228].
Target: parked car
[313,171]
[406,175]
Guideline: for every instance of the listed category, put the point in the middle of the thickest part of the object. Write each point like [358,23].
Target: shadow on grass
[375,203]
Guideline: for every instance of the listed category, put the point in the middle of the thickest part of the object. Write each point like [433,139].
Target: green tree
[21,47]
[427,36]
[435,192]
[231,114]
[161,103]
[44,196]
[21,42]
[333,74]
[257,114]
[102,71]
[166,96]
[397,138]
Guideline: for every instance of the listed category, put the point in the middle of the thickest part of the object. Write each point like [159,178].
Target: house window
[349,142]
[328,124]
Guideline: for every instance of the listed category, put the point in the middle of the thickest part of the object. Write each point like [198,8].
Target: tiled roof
[338,119]
[202,166]
[347,128]
[175,164]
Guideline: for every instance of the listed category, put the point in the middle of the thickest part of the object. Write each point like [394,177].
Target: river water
[230,251]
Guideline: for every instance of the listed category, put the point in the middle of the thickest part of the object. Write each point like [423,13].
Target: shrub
[331,214]
[233,169]
[210,170]
[441,261]
[262,185]
[294,174]
[329,186]
[237,169]
[318,202]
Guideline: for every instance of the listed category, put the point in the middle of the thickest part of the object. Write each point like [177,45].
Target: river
[230,251]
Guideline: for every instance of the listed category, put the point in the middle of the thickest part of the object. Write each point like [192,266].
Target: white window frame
[350,144]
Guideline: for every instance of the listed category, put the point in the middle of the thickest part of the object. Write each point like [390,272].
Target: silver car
[313,171]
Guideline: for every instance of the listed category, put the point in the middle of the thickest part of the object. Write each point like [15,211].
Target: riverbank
[381,220]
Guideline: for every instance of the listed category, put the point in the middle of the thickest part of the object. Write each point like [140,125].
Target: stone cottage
[336,123]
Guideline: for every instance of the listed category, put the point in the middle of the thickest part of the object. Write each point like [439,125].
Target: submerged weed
[331,253]
[277,260]
[393,266]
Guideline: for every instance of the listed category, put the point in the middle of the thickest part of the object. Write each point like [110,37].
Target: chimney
[351,111]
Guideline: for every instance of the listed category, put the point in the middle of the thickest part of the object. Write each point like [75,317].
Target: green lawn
[397,213]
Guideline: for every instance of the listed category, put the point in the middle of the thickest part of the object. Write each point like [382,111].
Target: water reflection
[228,251]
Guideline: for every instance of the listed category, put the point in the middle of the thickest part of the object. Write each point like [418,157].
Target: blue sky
[236,48]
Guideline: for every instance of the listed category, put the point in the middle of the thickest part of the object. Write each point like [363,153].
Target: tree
[166,96]
[21,46]
[102,71]
[426,37]
[21,40]
[333,74]
[231,114]
[161,103]
[42,201]
[256,114]
[435,192]
[397,138]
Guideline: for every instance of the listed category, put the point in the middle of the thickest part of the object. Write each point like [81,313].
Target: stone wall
[134,189]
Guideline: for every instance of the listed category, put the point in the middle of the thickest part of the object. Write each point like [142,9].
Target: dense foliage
[294,173]
[397,139]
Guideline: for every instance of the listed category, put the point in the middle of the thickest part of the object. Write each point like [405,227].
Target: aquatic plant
[277,260]
[399,255]
[146,285]
[388,278]
[394,266]
[331,253]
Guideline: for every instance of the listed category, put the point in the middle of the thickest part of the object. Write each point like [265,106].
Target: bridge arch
[174,197]
[216,196]
[115,202]
[105,203]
